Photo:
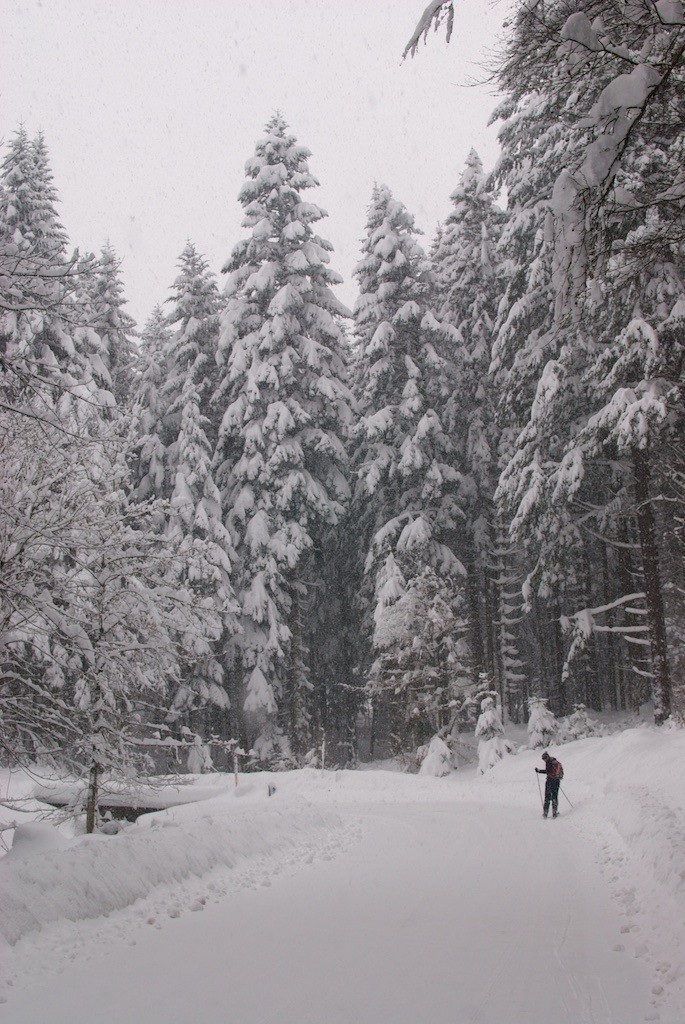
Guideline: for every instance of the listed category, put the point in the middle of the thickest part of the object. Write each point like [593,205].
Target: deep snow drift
[399,879]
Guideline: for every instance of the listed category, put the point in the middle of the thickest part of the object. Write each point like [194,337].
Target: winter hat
[545,756]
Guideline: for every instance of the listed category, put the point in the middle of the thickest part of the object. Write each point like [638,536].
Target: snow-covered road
[457,912]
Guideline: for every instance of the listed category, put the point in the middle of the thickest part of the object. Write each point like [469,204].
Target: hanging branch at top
[437,13]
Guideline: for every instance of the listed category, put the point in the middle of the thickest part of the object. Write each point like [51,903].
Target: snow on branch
[583,624]
[437,12]
[617,604]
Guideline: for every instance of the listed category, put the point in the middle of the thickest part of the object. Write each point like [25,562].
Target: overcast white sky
[151,107]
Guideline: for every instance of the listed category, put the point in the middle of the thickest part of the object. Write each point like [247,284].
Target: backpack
[557,771]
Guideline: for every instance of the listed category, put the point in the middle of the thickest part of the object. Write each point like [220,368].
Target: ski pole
[565,796]
[542,802]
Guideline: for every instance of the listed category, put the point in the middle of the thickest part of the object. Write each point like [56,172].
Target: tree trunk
[474,586]
[92,803]
[661,683]
[616,693]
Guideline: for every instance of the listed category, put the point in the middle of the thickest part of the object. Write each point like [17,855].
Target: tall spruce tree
[410,488]
[280,457]
[42,361]
[111,323]
[469,286]
[148,420]
[176,441]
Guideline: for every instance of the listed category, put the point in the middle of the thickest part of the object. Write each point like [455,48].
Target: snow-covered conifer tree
[47,231]
[196,514]
[422,664]
[41,359]
[543,727]
[149,411]
[578,725]
[436,758]
[492,743]
[410,489]
[280,457]
[110,321]
[175,448]
[29,217]
[468,287]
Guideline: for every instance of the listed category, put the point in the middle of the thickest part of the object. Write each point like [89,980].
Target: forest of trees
[268,519]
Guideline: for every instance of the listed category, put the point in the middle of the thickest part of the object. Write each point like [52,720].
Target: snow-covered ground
[372,897]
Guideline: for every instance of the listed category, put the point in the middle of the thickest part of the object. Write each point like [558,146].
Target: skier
[555,774]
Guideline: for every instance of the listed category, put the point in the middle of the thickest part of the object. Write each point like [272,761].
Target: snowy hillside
[407,898]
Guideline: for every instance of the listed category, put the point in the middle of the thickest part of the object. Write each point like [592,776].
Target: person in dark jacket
[555,774]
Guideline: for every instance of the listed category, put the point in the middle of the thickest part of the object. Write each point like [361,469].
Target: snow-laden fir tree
[199,756]
[492,743]
[468,287]
[176,444]
[436,759]
[29,215]
[48,233]
[422,666]
[148,407]
[280,457]
[578,725]
[543,728]
[110,321]
[410,489]
[42,360]
[195,517]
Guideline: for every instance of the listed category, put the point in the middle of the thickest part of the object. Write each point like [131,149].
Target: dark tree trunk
[474,587]
[661,683]
[92,803]
[616,693]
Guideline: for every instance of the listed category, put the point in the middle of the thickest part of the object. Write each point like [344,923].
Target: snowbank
[160,794]
[41,882]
